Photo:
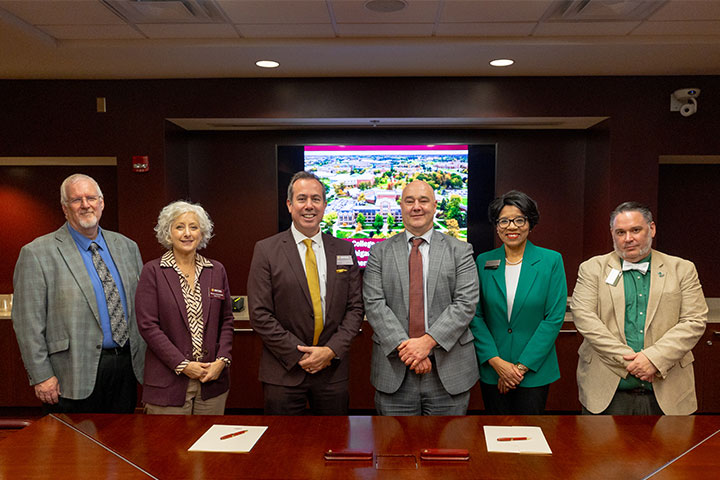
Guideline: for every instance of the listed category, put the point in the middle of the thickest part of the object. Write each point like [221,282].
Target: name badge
[492,264]
[614,276]
[217,293]
[344,260]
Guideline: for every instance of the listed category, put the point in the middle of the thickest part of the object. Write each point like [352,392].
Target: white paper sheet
[535,442]
[210,441]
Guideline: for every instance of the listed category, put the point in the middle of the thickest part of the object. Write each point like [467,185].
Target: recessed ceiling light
[385,6]
[267,64]
[502,62]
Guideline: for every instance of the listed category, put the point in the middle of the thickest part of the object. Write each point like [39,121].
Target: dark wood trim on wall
[577,176]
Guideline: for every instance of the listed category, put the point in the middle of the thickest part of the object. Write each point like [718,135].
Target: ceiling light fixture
[267,64]
[502,62]
[385,6]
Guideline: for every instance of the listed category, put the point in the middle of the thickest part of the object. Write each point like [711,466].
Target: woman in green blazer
[523,294]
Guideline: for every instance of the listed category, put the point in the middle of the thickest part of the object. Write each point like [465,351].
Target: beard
[644,249]
[88,221]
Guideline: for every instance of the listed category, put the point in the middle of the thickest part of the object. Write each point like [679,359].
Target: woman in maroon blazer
[184,313]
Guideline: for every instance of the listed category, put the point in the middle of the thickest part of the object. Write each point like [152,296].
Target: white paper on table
[536,442]
[210,440]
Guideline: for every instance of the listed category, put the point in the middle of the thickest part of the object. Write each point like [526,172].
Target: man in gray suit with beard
[74,310]
[420,290]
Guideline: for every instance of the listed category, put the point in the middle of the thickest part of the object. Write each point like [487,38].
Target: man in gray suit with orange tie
[421,289]
[74,310]
[305,303]
[641,312]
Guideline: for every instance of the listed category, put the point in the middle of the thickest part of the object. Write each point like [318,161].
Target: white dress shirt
[512,275]
[319,250]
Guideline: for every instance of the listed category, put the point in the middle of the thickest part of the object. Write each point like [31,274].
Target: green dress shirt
[637,291]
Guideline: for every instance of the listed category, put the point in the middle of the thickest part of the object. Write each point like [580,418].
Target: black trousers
[631,402]
[115,387]
[519,401]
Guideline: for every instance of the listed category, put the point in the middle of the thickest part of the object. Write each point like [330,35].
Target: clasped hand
[414,353]
[204,371]
[640,366]
[509,376]
[315,359]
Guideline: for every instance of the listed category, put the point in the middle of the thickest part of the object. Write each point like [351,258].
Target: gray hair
[73,179]
[631,207]
[303,175]
[171,212]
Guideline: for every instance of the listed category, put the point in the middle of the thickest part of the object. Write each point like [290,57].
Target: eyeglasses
[517,221]
[91,199]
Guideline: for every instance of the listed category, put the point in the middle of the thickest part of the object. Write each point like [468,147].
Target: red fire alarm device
[140,163]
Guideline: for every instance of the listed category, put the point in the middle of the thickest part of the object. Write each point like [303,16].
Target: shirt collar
[425,236]
[299,236]
[168,260]
[84,242]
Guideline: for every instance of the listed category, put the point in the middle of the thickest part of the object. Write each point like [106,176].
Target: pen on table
[512,439]
[231,435]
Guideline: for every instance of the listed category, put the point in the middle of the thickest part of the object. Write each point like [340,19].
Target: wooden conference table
[145,447]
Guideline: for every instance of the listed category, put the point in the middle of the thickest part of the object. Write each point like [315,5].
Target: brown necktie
[417,302]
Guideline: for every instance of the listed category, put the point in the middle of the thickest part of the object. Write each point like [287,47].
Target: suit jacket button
[509,330]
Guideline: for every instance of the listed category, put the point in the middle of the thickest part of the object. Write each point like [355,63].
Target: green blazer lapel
[402,254]
[70,253]
[617,293]
[528,273]
[498,274]
[657,285]
[437,251]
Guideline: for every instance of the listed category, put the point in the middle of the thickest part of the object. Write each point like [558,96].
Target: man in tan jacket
[640,312]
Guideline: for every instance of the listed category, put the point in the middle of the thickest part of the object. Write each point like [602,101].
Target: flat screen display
[364,184]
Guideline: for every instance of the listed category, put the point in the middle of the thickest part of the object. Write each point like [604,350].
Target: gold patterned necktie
[313,280]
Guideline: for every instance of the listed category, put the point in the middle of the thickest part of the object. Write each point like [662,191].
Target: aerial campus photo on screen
[364,185]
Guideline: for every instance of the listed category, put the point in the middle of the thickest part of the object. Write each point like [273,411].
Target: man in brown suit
[641,312]
[305,302]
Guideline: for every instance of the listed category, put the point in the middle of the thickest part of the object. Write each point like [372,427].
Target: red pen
[512,439]
[231,435]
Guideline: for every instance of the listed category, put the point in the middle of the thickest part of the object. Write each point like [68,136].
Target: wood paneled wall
[576,176]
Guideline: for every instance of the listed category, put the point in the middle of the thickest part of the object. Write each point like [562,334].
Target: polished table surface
[142,446]
[699,462]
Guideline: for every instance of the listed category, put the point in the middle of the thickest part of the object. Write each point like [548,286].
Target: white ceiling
[334,38]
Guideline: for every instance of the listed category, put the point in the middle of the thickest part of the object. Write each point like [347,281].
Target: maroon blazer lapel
[293,258]
[173,282]
[206,282]
[331,263]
